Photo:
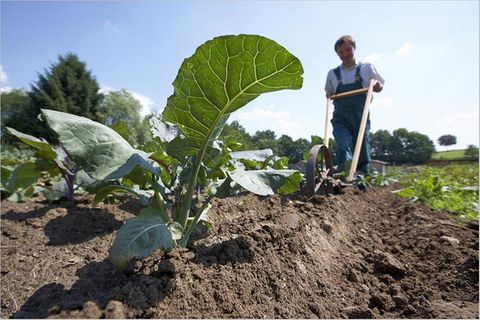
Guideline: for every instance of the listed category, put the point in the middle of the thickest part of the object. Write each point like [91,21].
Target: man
[347,115]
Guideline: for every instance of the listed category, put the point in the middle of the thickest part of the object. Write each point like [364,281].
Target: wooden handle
[326,135]
[349,93]
[361,131]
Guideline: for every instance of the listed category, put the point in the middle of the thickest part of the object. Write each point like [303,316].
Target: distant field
[449,155]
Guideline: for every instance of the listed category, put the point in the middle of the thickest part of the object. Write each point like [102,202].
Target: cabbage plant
[188,166]
[51,160]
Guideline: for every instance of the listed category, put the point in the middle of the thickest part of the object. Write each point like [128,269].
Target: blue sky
[428,53]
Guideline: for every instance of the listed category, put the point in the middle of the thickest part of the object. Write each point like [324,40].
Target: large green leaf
[222,76]
[23,176]
[139,237]
[39,144]
[266,182]
[136,160]
[222,188]
[94,147]
[291,184]
[5,174]
[145,196]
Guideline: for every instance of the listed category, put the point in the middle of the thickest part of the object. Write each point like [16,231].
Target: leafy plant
[50,160]
[189,167]
[453,188]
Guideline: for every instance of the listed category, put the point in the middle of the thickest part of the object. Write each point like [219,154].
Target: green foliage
[17,113]
[68,87]
[381,145]
[265,140]
[471,152]
[401,147]
[15,154]
[121,111]
[222,76]
[94,149]
[447,140]
[376,179]
[50,161]
[293,149]
[236,137]
[453,188]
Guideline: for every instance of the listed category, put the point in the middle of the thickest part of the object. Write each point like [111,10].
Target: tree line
[68,86]
[400,147]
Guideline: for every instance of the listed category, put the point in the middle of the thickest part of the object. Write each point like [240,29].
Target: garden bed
[357,255]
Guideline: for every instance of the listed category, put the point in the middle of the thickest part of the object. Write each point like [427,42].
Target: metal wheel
[319,171]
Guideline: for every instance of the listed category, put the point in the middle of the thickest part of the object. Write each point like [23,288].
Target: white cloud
[145,101]
[372,58]
[110,26]
[463,125]
[3,76]
[405,49]
[259,119]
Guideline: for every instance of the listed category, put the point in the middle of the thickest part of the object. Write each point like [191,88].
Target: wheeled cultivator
[319,173]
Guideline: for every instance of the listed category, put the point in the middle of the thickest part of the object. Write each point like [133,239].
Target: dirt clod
[359,312]
[114,310]
[386,263]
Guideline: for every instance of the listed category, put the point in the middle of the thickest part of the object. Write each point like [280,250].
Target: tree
[236,133]
[17,113]
[285,146]
[119,109]
[447,140]
[380,144]
[294,150]
[471,152]
[67,87]
[265,140]
[300,146]
[411,147]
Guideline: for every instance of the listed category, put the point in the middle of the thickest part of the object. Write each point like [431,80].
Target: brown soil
[357,255]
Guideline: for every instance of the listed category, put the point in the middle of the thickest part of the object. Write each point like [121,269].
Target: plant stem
[187,204]
[184,241]
[160,204]
[69,180]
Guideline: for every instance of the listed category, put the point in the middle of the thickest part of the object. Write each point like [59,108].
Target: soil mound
[357,255]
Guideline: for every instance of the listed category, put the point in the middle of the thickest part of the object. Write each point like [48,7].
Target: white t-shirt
[367,72]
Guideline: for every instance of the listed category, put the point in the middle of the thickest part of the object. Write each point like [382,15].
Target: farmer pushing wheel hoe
[351,75]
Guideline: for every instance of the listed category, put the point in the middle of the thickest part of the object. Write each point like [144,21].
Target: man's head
[345,49]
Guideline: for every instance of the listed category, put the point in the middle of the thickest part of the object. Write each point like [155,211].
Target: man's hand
[377,87]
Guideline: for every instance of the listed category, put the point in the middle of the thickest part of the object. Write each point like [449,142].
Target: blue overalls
[347,116]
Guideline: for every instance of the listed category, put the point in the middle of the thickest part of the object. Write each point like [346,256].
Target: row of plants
[185,166]
[454,188]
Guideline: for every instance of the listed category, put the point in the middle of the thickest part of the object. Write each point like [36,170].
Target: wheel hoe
[319,172]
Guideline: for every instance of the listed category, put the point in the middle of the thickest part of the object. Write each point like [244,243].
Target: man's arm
[373,74]
[329,90]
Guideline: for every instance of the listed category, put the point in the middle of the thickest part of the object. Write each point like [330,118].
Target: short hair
[344,39]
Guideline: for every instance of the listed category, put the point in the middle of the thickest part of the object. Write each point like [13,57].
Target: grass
[449,155]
